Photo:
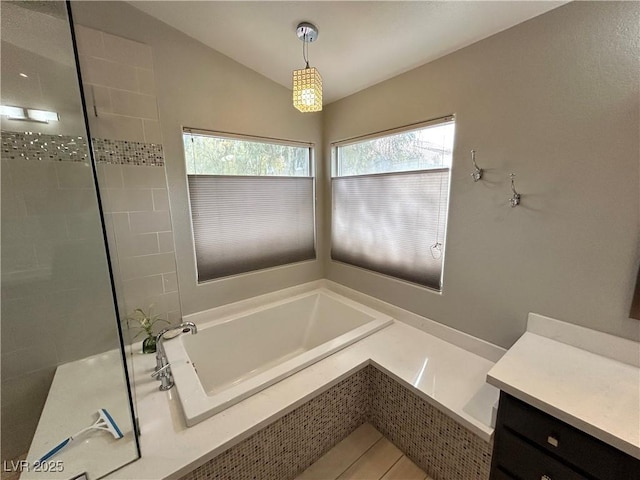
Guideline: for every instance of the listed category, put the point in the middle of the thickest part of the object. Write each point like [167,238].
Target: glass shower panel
[61,349]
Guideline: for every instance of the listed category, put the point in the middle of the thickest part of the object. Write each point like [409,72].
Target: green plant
[144,323]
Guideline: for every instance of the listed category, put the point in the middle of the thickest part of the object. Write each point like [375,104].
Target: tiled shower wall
[436,443]
[56,296]
[119,91]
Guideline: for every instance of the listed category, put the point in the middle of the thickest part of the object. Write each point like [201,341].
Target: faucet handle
[160,372]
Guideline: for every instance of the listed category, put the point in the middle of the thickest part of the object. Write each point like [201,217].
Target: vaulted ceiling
[361,43]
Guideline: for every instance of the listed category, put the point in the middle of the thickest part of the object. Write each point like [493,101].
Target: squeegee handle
[54,450]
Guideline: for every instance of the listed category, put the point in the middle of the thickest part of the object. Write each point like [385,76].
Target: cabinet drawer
[526,462]
[566,442]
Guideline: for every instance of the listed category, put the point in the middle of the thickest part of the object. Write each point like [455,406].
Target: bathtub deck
[365,454]
[449,377]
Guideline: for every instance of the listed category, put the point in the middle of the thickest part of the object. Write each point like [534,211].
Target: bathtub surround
[444,450]
[290,444]
[448,378]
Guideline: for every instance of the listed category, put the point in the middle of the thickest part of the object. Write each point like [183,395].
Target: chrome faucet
[163,370]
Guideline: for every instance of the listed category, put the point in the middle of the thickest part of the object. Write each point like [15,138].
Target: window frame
[259,139]
[335,173]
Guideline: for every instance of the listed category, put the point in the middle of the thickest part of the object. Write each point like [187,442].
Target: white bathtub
[232,358]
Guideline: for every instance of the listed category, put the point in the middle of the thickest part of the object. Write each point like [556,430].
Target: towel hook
[477,175]
[515,199]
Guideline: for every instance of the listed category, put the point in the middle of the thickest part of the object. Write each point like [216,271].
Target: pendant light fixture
[307,82]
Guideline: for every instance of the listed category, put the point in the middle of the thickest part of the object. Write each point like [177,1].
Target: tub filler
[235,356]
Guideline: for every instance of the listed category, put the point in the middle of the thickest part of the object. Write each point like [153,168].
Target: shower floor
[364,455]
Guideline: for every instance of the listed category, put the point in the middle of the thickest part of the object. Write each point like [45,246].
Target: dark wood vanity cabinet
[532,445]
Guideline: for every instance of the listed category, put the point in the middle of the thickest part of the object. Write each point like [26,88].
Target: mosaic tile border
[436,443]
[66,148]
[289,445]
[123,152]
[42,147]
[440,446]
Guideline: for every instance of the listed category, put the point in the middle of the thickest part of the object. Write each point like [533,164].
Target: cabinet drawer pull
[545,477]
[553,441]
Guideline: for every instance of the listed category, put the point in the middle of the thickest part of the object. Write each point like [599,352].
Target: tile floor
[364,455]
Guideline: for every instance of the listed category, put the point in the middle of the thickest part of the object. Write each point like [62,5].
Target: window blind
[389,222]
[245,223]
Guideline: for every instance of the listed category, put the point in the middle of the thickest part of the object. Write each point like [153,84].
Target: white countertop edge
[604,344]
[566,417]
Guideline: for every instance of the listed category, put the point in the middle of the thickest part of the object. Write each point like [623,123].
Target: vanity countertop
[588,379]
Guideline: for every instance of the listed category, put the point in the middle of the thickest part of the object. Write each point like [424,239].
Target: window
[390,195]
[252,202]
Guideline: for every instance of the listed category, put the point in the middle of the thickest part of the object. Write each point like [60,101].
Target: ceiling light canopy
[307,82]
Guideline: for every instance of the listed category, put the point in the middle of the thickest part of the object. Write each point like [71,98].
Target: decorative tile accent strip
[435,442]
[289,445]
[285,448]
[122,152]
[41,146]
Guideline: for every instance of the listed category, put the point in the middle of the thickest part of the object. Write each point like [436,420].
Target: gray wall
[554,100]
[201,88]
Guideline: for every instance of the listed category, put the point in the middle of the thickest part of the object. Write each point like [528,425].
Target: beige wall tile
[83,225]
[16,440]
[22,408]
[32,175]
[120,222]
[127,51]
[170,282]
[152,131]
[165,240]
[99,97]
[98,71]
[146,82]
[160,199]
[136,245]
[145,177]
[117,127]
[147,265]
[134,104]
[22,362]
[140,288]
[74,175]
[89,41]
[146,222]
[130,200]
[18,256]
[112,176]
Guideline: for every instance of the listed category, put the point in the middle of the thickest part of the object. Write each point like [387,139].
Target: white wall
[201,88]
[554,100]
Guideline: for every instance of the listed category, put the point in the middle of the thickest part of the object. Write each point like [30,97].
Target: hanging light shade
[307,82]
[307,90]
